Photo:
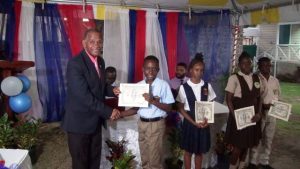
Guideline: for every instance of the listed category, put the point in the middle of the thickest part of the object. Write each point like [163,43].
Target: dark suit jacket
[84,107]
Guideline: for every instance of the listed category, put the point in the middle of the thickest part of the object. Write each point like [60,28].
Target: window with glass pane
[284,34]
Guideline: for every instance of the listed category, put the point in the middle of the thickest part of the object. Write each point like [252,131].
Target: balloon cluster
[16,88]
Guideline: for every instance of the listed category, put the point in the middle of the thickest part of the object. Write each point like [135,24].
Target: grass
[290,93]
[296,108]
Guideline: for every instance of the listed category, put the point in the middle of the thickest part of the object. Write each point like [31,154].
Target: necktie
[97,69]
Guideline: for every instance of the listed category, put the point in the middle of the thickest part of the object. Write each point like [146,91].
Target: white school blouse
[181,97]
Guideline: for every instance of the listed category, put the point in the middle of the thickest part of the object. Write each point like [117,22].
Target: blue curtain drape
[52,51]
[132,27]
[210,34]
[8,17]
[162,22]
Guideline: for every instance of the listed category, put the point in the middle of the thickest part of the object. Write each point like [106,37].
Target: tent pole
[237,40]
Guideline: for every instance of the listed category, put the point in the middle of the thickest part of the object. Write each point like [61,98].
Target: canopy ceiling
[240,5]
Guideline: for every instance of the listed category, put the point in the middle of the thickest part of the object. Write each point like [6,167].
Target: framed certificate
[243,117]
[132,95]
[204,110]
[280,110]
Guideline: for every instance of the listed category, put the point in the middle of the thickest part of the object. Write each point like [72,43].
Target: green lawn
[290,93]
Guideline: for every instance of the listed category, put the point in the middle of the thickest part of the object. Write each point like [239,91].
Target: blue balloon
[20,103]
[25,81]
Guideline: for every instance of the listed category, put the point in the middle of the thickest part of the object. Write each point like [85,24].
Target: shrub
[26,134]
[22,136]
[6,132]
[119,157]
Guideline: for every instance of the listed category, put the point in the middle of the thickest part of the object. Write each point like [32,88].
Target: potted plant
[173,124]
[25,136]
[174,161]
[6,132]
[119,157]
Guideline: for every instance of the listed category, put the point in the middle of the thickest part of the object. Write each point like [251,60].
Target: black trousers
[85,149]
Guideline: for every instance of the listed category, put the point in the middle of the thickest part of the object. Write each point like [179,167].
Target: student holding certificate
[271,92]
[242,90]
[151,126]
[195,136]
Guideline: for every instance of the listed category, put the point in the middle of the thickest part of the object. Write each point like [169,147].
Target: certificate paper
[204,110]
[280,110]
[243,117]
[132,95]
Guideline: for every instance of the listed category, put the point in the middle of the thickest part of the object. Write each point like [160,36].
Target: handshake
[116,114]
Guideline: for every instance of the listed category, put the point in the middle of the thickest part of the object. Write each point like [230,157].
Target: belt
[151,119]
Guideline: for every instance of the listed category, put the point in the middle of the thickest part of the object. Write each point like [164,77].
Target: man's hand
[122,114]
[115,114]
[117,91]
[256,118]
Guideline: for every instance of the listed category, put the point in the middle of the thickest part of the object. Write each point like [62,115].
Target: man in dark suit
[85,111]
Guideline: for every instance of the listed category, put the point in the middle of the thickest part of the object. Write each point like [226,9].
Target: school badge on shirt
[257,85]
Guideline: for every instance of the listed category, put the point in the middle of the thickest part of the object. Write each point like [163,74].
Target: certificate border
[279,117]
[211,104]
[238,111]
[132,85]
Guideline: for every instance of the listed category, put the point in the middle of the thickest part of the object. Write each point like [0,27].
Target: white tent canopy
[240,5]
[252,12]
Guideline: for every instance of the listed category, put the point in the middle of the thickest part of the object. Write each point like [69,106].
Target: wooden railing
[285,53]
[289,52]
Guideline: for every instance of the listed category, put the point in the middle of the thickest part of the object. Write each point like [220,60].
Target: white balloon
[11,86]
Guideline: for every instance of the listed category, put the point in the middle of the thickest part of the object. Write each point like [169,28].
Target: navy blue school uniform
[195,140]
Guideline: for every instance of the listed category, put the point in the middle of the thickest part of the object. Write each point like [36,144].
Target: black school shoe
[265,166]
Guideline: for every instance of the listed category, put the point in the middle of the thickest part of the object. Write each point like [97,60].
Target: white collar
[194,84]
[262,76]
